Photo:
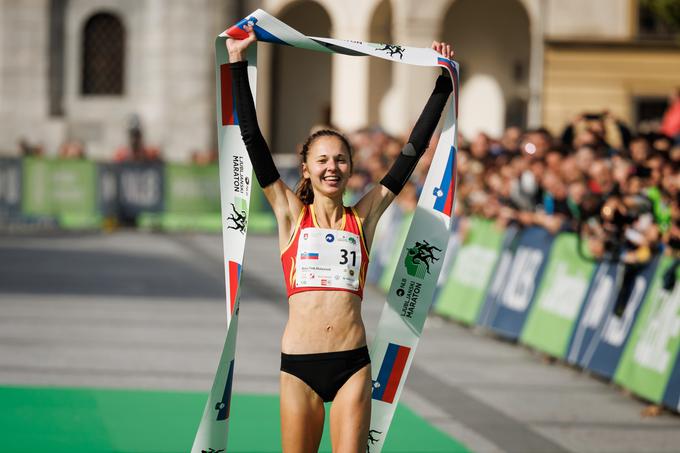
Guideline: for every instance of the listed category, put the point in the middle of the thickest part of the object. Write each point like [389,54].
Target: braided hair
[304,189]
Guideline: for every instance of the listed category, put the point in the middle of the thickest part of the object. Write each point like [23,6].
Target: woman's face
[327,166]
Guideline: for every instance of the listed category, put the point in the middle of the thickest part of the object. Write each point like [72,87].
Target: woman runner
[324,251]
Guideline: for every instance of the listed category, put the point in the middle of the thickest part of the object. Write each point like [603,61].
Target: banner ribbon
[414,282]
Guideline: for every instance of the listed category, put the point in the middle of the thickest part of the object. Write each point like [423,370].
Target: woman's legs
[302,416]
[351,413]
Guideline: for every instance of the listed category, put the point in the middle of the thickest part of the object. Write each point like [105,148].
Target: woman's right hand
[444,49]
[237,47]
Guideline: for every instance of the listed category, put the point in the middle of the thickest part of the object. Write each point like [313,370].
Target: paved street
[146,311]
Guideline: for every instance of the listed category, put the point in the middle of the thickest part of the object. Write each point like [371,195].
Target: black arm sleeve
[258,151]
[401,170]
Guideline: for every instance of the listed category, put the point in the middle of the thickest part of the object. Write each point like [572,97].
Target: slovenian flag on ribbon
[444,193]
[454,73]
[227,102]
[238,32]
[309,256]
[234,274]
[391,370]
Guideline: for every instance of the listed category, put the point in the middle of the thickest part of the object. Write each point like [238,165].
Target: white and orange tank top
[325,259]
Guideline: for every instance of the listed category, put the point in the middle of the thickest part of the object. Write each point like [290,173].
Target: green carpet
[59,420]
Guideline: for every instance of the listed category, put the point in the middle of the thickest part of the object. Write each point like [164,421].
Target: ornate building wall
[524,62]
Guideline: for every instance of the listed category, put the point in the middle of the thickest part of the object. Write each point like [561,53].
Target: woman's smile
[332,180]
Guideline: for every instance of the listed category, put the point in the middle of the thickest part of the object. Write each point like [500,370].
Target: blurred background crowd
[618,187]
[610,172]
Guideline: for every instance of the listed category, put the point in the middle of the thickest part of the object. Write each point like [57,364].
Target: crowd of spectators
[618,189]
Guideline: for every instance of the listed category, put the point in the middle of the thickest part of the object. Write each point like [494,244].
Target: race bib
[328,258]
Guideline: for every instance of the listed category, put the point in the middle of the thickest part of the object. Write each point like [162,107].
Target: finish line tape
[414,282]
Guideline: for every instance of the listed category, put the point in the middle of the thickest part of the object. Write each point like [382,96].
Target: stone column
[537,10]
[24,93]
[349,91]
[412,26]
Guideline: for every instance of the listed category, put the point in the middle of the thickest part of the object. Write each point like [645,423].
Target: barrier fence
[620,322]
[81,194]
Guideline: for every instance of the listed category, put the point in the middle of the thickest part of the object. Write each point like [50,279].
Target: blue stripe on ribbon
[385,371]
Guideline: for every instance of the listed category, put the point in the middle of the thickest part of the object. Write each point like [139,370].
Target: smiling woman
[324,253]
[332,161]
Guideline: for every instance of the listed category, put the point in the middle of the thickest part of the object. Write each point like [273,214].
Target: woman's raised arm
[374,203]
[284,202]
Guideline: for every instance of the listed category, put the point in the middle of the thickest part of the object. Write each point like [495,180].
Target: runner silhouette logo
[238,220]
[419,257]
[372,439]
[393,50]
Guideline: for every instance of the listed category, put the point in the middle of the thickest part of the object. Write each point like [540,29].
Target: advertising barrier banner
[671,398]
[140,188]
[651,352]
[191,200]
[452,249]
[107,189]
[81,193]
[10,186]
[37,187]
[63,189]
[513,298]
[499,274]
[598,301]
[608,316]
[192,189]
[560,295]
[463,292]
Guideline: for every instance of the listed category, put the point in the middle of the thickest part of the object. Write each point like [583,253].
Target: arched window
[103,55]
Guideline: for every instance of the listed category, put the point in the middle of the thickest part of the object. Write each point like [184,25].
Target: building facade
[85,69]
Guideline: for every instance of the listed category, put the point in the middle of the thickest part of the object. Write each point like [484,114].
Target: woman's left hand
[444,49]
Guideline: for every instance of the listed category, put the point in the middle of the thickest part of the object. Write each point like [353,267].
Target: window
[103,55]
[652,23]
[648,111]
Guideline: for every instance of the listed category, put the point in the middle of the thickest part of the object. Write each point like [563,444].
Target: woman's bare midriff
[323,321]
